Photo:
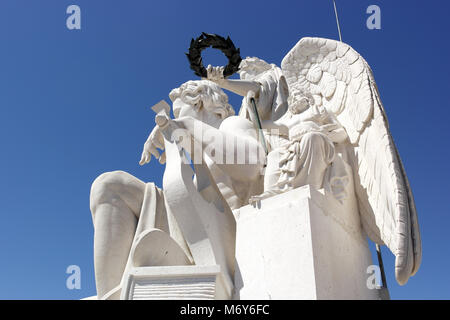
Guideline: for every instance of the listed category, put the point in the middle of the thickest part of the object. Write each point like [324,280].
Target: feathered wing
[342,81]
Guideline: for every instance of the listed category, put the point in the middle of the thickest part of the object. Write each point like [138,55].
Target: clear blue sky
[75,104]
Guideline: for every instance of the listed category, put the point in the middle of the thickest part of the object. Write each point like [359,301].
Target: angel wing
[342,81]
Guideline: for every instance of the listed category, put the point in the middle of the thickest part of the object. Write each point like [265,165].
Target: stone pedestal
[173,283]
[302,244]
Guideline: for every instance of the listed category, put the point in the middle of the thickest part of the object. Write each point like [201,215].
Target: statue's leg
[116,201]
[272,174]
[316,154]
[271,177]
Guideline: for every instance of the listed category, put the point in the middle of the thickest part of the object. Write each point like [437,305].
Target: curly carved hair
[203,93]
[251,67]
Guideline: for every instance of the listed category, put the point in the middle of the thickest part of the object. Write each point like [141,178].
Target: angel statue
[334,130]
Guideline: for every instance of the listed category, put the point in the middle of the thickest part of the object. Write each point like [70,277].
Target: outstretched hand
[215,73]
[155,140]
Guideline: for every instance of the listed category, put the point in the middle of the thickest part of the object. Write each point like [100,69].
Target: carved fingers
[162,158]
[214,73]
[154,141]
[147,152]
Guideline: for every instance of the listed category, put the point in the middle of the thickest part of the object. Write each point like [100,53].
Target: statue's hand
[335,132]
[215,73]
[330,127]
[155,140]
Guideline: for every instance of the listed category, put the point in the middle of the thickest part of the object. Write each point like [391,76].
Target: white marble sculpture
[323,125]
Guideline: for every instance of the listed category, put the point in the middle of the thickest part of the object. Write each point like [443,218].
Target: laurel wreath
[215,41]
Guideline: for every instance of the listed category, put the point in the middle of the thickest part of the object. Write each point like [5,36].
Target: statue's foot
[266,194]
[254,199]
[156,248]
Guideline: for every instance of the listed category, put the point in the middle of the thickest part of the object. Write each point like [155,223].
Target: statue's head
[200,96]
[251,67]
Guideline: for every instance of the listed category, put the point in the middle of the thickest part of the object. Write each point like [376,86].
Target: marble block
[303,244]
[173,283]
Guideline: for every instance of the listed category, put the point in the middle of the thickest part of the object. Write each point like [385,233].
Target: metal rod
[380,258]
[337,21]
[380,263]
[261,135]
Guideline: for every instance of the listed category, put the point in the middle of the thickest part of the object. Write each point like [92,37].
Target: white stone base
[301,245]
[173,283]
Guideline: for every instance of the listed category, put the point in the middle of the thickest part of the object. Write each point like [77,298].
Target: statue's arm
[154,140]
[210,138]
[240,87]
